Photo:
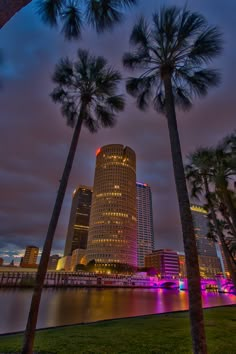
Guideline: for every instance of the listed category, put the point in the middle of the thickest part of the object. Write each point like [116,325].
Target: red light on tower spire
[98,151]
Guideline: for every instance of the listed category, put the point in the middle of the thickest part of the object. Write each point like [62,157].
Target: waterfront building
[1,261]
[77,234]
[209,261]
[165,261]
[78,257]
[52,263]
[30,257]
[112,237]
[64,264]
[145,230]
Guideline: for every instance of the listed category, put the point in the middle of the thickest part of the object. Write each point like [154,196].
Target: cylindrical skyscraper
[112,234]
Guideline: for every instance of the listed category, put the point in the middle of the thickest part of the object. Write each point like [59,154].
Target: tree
[173,52]
[87,92]
[224,165]
[214,235]
[200,175]
[70,15]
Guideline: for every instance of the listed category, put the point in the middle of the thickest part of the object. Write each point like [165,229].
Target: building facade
[30,257]
[145,230]
[64,264]
[209,261]
[165,261]
[77,257]
[77,234]
[53,260]
[113,225]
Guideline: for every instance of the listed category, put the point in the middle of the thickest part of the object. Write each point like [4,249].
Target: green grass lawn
[167,333]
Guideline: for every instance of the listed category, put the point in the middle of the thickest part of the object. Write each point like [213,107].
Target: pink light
[98,151]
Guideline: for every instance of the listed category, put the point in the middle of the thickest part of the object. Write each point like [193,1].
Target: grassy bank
[150,334]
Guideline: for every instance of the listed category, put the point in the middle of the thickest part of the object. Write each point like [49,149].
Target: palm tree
[225,214]
[213,234]
[224,164]
[200,175]
[87,93]
[172,52]
[71,14]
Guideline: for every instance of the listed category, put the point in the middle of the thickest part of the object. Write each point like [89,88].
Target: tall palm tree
[173,52]
[87,92]
[70,15]
[200,175]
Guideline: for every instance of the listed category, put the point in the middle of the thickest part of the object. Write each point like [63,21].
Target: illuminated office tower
[77,234]
[209,262]
[145,233]
[112,236]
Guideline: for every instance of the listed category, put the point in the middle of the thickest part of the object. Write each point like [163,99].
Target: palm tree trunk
[8,8]
[226,251]
[190,247]
[35,302]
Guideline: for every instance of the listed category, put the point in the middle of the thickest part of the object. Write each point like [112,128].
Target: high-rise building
[209,262]
[145,231]
[113,225]
[165,261]
[77,234]
[30,257]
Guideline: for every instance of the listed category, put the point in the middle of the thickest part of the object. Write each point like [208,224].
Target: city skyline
[34,134]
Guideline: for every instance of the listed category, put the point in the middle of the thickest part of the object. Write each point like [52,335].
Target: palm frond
[199,81]
[63,72]
[49,11]
[105,116]
[207,45]
[91,123]
[140,35]
[69,111]
[140,88]
[135,60]
[71,18]
[105,14]
[159,102]
[182,98]
[58,95]
[116,103]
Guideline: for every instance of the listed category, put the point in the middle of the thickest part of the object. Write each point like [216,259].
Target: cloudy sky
[35,139]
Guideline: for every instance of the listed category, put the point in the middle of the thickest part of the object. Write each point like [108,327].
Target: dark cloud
[35,138]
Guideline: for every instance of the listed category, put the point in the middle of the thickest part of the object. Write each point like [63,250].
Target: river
[76,305]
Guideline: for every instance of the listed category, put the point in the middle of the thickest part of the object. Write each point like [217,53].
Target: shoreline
[51,328]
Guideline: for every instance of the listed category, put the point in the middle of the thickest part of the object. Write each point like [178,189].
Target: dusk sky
[35,138]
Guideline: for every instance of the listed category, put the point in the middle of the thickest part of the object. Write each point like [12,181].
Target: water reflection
[68,306]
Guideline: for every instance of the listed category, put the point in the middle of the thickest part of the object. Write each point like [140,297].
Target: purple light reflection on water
[70,306]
